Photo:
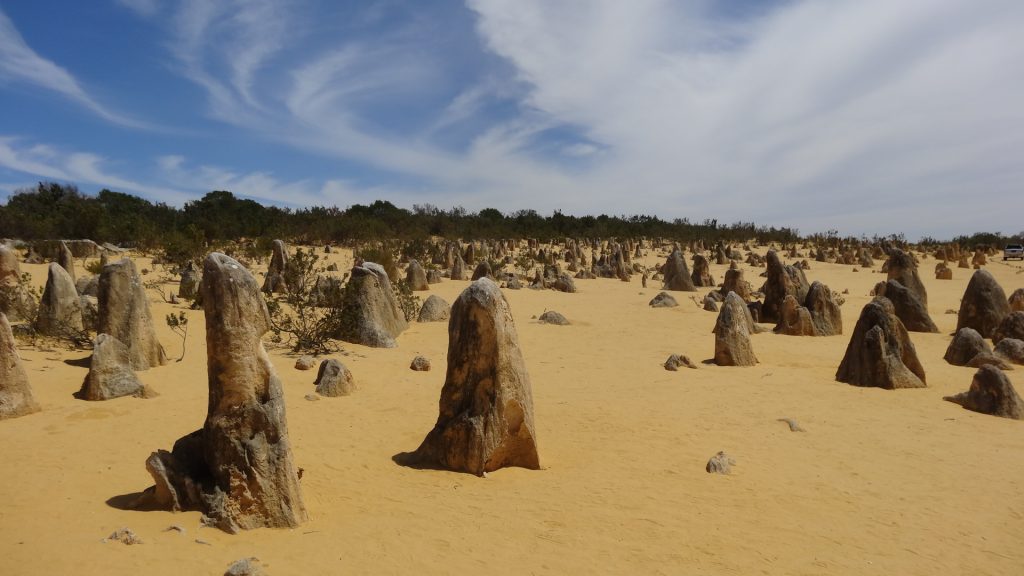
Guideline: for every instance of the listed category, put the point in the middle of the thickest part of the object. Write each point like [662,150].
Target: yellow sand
[881,482]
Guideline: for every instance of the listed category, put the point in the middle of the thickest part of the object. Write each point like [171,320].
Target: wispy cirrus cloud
[20,63]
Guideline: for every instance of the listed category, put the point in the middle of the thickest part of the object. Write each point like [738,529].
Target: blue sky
[866,116]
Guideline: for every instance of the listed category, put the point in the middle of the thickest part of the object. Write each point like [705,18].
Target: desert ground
[879,483]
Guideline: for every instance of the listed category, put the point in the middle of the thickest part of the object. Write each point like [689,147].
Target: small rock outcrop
[984,304]
[1012,326]
[416,277]
[124,314]
[237,469]
[1016,300]
[188,286]
[701,275]
[275,282]
[880,352]
[663,300]
[909,309]
[734,282]
[60,310]
[676,274]
[732,334]
[991,393]
[1010,349]
[720,463]
[16,397]
[420,364]
[110,372]
[677,361]
[434,309]
[966,344]
[486,408]
[372,316]
[304,363]
[902,268]
[334,379]
[782,280]
[818,316]
[552,317]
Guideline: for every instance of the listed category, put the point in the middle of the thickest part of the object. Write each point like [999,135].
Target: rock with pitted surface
[1016,300]
[458,267]
[984,304]
[16,398]
[110,372]
[1012,326]
[880,352]
[663,300]
[420,364]
[304,363]
[676,274]
[483,270]
[734,282]
[416,277]
[943,272]
[88,286]
[275,282]
[1010,349]
[701,275]
[818,316]
[10,270]
[238,468]
[552,317]
[902,268]
[434,309]
[486,408]
[60,310]
[125,315]
[991,393]
[782,280]
[732,334]
[911,311]
[334,379]
[966,344]
[720,463]
[188,287]
[371,315]
[675,361]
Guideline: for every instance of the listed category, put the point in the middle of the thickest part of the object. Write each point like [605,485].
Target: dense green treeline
[52,210]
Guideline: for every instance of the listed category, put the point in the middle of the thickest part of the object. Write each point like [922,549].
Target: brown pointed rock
[984,304]
[16,397]
[483,270]
[818,316]
[1010,349]
[782,280]
[909,309]
[732,334]
[434,309]
[1012,326]
[991,393]
[676,274]
[966,344]
[188,287]
[124,314]
[734,282]
[60,310]
[458,266]
[701,275]
[110,372]
[238,468]
[275,282]
[372,316]
[416,277]
[880,353]
[66,261]
[1016,300]
[903,268]
[10,270]
[486,408]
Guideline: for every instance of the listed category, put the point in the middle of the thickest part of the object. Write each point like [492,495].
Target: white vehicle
[1013,251]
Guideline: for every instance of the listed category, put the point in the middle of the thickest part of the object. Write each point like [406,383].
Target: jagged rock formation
[188,287]
[734,282]
[416,277]
[675,361]
[701,275]
[372,316]
[110,372]
[60,310]
[991,393]
[238,468]
[124,314]
[275,282]
[486,408]
[880,352]
[818,316]
[903,268]
[732,334]
[1012,326]
[334,379]
[16,398]
[782,280]
[676,274]
[966,344]
[434,309]
[911,311]
[67,261]
[663,300]
[983,305]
